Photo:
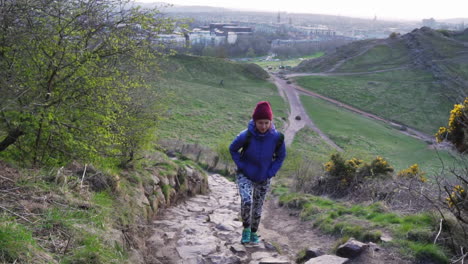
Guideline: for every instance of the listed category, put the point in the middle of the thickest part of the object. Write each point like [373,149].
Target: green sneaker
[254,238]
[246,235]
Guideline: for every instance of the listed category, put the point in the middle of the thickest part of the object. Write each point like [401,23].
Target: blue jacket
[257,162]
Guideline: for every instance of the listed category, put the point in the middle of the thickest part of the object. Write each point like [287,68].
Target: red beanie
[262,111]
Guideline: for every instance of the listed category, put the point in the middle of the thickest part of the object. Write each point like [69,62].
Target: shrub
[412,172]
[394,35]
[343,176]
[456,128]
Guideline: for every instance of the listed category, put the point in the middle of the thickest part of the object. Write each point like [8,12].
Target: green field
[410,97]
[202,111]
[366,138]
[309,144]
[290,62]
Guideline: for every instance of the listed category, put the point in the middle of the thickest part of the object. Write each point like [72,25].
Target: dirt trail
[403,129]
[328,73]
[288,91]
[341,62]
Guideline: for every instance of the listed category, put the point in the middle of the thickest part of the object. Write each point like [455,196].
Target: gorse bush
[457,128]
[343,175]
[412,172]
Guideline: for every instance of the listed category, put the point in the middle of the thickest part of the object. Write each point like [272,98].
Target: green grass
[201,111]
[16,241]
[380,57]
[94,250]
[412,233]
[310,145]
[284,62]
[365,138]
[410,97]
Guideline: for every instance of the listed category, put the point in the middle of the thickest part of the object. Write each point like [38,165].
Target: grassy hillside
[428,74]
[202,111]
[410,97]
[365,138]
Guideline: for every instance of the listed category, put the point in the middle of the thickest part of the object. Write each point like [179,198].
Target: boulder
[351,249]
[272,260]
[328,259]
[310,253]
[238,249]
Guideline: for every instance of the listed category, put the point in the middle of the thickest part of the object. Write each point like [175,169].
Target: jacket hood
[251,128]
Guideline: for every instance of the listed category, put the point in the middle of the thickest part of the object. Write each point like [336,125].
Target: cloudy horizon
[396,9]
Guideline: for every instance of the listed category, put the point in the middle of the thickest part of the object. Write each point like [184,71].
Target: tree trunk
[11,138]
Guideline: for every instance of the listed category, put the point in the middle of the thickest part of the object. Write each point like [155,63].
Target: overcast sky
[390,9]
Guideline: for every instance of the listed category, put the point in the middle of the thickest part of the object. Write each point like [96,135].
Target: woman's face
[262,125]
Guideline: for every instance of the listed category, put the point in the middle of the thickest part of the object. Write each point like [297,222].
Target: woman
[263,153]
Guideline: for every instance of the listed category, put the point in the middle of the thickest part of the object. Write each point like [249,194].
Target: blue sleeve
[278,162]
[237,144]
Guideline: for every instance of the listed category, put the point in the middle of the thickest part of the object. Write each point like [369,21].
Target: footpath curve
[288,91]
[403,129]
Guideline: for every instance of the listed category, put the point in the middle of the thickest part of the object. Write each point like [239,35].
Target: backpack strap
[246,143]
[279,143]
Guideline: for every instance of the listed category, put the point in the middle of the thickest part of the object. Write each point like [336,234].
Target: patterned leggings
[252,196]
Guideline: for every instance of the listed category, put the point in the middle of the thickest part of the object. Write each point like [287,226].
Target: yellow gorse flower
[329,166]
[411,172]
[456,112]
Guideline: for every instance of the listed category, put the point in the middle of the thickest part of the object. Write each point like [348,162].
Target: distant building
[205,38]
[317,32]
[431,22]
[171,40]
[217,34]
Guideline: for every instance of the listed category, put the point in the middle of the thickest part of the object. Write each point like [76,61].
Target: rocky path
[205,229]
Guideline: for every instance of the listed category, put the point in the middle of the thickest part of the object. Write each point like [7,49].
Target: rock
[310,253]
[188,171]
[188,252]
[156,179]
[224,227]
[171,179]
[155,241]
[269,246]
[238,249]
[170,235]
[140,199]
[160,196]
[135,257]
[220,259]
[163,180]
[260,255]
[272,260]
[386,238]
[351,249]
[328,259]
